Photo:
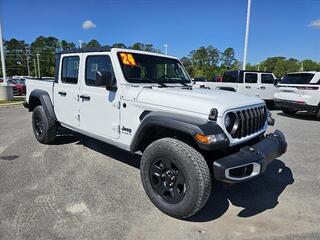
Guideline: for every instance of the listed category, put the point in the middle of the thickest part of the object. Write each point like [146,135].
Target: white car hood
[196,100]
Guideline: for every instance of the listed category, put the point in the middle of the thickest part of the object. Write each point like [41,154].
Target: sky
[289,28]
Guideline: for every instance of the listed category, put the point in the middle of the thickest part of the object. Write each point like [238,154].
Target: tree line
[207,62]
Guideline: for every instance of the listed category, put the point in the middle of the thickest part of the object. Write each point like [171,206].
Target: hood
[196,100]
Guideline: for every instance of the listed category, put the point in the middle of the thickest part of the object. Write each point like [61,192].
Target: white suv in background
[252,83]
[299,91]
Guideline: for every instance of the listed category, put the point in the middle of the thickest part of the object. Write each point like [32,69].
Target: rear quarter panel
[44,85]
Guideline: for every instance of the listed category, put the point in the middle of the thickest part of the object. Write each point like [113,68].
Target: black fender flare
[45,101]
[181,123]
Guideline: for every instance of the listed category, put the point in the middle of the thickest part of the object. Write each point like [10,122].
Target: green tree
[46,47]
[64,45]
[16,59]
[119,45]
[228,58]
[93,43]
[187,64]
[144,47]
[309,65]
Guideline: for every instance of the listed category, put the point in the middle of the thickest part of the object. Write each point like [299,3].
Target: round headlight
[231,122]
[227,121]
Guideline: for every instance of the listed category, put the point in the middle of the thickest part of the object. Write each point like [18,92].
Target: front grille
[250,121]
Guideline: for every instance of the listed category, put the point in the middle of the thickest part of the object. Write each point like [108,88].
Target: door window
[230,76]
[96,64]
[70,70]
[251,78]
[267,79]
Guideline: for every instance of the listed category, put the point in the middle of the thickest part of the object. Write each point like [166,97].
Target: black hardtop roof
[84,50]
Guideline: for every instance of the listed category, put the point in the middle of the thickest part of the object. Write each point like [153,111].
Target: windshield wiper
[154,81]
[175,80]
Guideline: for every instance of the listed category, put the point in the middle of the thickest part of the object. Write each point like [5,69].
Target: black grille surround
[250,121]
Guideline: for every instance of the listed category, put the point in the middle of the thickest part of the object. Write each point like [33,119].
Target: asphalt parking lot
[86,189]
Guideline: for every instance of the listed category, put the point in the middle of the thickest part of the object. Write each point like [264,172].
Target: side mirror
[276,81]
[105,78]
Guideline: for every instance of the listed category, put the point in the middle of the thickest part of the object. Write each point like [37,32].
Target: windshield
[142,68]
[298,78]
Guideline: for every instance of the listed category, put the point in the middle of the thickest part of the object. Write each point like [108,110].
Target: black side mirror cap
[106,78]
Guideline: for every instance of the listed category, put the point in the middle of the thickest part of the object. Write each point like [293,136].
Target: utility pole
[246,36]
[80,43]
[39,75]
[2,58]
[35,68]
[27,56]
[165,48]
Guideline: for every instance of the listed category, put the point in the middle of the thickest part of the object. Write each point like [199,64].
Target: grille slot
[251,120]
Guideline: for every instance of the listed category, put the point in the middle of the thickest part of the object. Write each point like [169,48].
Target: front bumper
[295,105]
[250,161]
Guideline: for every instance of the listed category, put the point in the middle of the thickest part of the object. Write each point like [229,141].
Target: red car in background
[19,86]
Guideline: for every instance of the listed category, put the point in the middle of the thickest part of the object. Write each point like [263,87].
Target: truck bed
[44,85]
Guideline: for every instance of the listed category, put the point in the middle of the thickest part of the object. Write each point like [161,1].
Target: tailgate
[290,92]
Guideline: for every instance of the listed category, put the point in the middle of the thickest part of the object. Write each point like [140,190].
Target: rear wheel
[42,130]
[289,111]
[175,177]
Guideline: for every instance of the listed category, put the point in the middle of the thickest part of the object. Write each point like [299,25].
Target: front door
[66,92]
[99,108]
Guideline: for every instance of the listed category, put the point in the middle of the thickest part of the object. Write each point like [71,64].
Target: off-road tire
[288,111]
[193,166]
[49,133]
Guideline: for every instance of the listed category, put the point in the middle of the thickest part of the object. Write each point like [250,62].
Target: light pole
[2,58]
[246,36]
[39,75]
[27,56]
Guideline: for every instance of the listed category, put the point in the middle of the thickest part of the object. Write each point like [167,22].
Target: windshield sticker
[128,59]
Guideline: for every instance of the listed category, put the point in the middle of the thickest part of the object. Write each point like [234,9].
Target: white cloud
[315,23]
[88,24]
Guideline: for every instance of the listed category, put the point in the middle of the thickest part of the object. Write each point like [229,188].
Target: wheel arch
[39,97]
[156,125]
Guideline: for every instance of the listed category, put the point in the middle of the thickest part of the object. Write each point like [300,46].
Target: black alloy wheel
[167,180]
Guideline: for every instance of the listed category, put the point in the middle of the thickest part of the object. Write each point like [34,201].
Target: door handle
[62,93]
[248,87]
[262,87]
[85,97]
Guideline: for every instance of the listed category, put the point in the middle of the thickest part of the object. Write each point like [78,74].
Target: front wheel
[42,130]
[176,177]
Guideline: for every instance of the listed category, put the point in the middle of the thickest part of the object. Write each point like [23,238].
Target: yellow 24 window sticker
[128,59]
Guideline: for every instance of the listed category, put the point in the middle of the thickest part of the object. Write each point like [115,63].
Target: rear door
[250,84]
[99,107]
[66,91]
[267,89]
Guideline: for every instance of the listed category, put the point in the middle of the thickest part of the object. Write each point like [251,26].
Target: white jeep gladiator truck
[299,91]
[144,103]
[252,83]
